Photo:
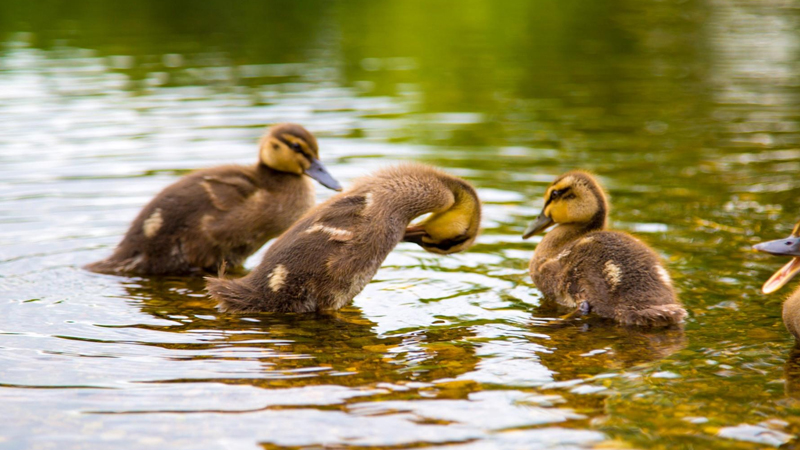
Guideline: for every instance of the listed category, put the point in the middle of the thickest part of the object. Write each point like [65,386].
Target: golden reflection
[792,373]
[584,348]
[338,347]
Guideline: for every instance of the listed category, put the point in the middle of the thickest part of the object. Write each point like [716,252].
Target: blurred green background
[686,110]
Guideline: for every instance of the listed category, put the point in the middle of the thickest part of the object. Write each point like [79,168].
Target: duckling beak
[537,226]
[414,234]
[318,172]
[788,247]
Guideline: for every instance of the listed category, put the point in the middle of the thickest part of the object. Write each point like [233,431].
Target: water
[687,111]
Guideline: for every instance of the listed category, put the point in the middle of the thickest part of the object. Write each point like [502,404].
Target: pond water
[687,111]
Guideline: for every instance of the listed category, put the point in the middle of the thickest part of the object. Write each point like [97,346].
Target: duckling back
[321,263]
[209,217]
[617,276]
[579,264]
[330,255]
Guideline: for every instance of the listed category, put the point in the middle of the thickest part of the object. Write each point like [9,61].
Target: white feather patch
[664,275]
[277,277]
[153,223]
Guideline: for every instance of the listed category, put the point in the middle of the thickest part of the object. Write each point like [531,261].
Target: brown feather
[216,216]
[620,277]
[211,216]
[330,255]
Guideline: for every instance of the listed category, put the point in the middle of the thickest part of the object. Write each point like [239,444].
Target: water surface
[687,111]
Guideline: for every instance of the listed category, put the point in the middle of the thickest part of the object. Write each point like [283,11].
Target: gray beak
[318,172]
[783,247]
[537,226]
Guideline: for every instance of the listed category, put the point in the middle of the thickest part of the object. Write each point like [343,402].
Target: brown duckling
[580,264]
[330,255]
[223,214]
[786,247]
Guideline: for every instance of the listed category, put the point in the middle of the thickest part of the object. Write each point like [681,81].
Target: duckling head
[574,198]
[789,246]
[288,147]
[453,229]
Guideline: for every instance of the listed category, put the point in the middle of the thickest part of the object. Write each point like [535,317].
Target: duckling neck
[560,236]
[407,195]
[265,171]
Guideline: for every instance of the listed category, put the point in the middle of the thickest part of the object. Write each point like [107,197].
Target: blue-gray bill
[318,172]
[782,247]
[537,226]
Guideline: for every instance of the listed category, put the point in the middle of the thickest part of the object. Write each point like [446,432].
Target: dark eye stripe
[555,194]
[297,147]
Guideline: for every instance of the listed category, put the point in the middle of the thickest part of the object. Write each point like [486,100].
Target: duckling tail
[232,295]
[654,316]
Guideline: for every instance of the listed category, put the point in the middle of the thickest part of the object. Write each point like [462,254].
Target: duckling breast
[791,314]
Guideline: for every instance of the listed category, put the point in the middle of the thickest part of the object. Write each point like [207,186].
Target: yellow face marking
[564,183]
[452,222]
[277,277]
[153,223]
[276,154]
[579,209]
[299,141]
[460,220]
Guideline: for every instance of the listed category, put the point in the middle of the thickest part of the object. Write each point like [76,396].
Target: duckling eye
[556,194]
[296,147]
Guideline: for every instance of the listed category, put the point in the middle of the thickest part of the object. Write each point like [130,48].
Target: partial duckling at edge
[789,246]
[223,214]
[330,255]
[581,265]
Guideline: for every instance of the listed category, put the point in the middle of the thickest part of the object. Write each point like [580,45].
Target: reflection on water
[687,111]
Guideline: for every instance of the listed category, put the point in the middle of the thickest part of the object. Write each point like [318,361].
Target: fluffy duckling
[580,264]
[223,214]
[330,255]
[786,247]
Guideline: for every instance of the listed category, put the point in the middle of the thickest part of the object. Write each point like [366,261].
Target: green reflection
[686,110]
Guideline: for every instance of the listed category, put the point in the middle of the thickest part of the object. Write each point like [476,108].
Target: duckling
[223,214]
[330,255]
[580,264]
[788,247]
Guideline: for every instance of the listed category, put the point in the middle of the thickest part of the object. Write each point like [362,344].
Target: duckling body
[330,255]
[791,314]
[222,214]
[579,264]
[791,306]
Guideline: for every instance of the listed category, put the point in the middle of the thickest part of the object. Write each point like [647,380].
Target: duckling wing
[228,191]
[622,278]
